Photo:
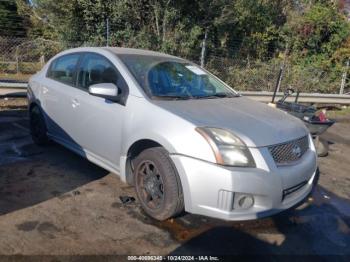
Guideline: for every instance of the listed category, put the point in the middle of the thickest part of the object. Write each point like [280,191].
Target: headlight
[229,149]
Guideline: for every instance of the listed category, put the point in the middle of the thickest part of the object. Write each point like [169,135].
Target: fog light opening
[245,201]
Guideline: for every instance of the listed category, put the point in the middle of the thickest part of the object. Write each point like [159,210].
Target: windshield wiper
[172,97]
[175,97]
[217,95]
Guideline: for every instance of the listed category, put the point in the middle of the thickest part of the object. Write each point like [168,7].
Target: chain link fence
[21,57]
[245,75]
[314,80]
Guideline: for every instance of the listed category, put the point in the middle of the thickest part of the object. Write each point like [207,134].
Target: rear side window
[96,69]
[64,68]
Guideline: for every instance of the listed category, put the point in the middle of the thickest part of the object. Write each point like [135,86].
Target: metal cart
[316,124]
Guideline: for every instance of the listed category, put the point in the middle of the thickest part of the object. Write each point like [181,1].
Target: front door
[98,121]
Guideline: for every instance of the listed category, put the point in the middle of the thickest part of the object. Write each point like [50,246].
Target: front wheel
[157,184]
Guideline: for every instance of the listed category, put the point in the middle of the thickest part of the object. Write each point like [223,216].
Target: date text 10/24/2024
[173,258]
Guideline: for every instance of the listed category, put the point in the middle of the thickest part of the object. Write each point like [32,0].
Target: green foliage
[303,33]
[321,30]
[245,28]
[250,28]
[319,46]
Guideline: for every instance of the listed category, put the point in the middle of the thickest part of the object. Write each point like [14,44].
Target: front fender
[175,134]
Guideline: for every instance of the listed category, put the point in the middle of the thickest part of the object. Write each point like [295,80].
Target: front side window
[95,69]
[63,69]
[164,77]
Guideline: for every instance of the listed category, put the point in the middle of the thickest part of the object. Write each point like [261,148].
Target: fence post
[42,61]
[343,79]
[107,32]
[280,76]
[17,60]
[204,46]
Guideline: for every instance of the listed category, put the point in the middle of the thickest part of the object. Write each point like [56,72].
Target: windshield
[171,78]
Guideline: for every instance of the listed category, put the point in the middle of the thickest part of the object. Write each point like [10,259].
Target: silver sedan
[183,138]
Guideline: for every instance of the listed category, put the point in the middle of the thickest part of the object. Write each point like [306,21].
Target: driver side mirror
[106,90]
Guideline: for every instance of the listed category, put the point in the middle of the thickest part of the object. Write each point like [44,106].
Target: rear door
[57,93]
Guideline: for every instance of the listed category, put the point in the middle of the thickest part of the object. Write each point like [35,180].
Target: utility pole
[107,32]
[344,76]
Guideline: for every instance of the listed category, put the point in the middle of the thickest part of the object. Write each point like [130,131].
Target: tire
[157,184]
[38,128]
[322,147]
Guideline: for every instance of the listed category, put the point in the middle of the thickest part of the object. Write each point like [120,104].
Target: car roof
[120,51]
[134,51]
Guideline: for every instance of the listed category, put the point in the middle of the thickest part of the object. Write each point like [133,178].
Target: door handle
[75,103]
[45,89]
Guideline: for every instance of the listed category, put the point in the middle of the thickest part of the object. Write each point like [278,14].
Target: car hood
[257,124]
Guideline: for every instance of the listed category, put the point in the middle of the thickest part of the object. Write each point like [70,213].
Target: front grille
[289,152]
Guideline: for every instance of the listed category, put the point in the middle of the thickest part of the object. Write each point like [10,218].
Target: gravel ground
[53,202]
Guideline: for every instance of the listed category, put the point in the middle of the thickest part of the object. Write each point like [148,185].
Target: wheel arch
[133,151]
[32,105]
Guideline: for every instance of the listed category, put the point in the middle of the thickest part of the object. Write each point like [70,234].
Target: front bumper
[213,190]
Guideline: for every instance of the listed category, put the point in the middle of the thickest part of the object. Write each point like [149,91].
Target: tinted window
[63,69]
[95,69]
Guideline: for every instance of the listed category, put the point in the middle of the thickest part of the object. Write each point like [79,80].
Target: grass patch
[21,77]
[13,103]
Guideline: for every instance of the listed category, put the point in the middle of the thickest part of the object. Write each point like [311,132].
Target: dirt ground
[53,202]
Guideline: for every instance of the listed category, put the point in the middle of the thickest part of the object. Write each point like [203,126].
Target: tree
[250,28]
[11,24]
[318,33]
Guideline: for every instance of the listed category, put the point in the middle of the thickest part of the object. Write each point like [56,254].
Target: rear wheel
[38,127]
[157,184]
